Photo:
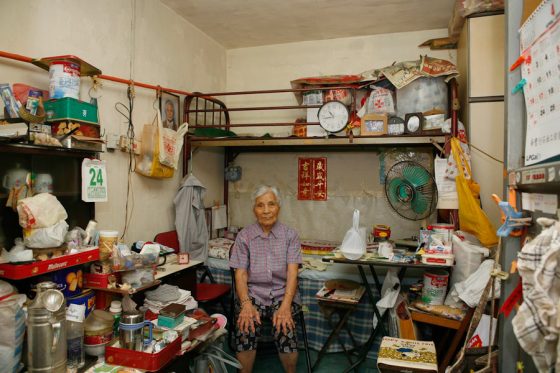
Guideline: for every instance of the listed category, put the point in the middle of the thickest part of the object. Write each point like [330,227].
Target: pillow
[219,248]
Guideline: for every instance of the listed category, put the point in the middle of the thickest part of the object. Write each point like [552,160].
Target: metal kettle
[46,330]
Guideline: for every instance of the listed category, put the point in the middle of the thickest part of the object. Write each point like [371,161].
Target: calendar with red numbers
[312,179]
[540,43]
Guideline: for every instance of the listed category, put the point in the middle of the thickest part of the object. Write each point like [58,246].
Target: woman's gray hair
[263,189]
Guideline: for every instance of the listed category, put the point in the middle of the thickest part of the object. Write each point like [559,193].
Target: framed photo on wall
[169,105]
[374,125]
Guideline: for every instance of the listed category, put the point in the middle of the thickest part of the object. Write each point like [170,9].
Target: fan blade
[393,190]
[416,175]
[420,204]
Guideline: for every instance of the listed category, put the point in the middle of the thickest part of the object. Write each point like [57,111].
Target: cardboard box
[405,355]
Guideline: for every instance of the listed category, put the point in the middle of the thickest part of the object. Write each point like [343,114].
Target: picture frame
[373,125]
[170,104]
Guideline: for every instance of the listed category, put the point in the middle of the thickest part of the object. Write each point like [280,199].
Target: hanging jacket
[190,219]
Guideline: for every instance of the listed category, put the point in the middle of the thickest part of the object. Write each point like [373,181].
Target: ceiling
[248,23]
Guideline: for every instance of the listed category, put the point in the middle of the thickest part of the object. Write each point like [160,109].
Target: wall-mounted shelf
[542,177]
[315,141]
[22,271]
[44,150]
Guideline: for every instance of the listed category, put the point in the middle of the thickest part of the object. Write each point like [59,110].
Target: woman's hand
[282,319]
[247,318]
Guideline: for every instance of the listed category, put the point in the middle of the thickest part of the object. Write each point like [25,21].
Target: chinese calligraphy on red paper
[312,179]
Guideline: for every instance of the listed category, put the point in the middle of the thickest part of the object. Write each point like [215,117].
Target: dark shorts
[285,343]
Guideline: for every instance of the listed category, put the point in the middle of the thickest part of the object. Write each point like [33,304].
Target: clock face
[333,116]
[413,124]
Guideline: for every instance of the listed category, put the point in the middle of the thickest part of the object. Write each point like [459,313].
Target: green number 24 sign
[96,177]
[94,180]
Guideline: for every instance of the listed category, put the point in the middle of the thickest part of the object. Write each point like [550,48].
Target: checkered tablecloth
[317,325]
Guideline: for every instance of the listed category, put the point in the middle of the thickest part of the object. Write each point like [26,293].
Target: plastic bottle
[116,310]
[75,336]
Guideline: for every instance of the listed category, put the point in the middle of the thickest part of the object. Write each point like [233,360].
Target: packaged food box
[72,109]
[405,355]
[81,129]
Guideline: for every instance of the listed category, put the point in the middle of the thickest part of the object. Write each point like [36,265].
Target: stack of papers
[344,296]
[185,298]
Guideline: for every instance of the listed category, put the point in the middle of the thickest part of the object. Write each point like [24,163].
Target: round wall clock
[333,116]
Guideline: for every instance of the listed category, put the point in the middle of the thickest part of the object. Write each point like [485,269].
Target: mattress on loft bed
[318,327]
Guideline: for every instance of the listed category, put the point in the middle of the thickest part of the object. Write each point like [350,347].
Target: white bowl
[95,350]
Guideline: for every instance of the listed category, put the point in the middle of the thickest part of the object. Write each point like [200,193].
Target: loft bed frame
[207,111]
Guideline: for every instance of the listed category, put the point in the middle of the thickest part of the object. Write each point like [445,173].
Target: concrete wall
[160,48]
[353,178]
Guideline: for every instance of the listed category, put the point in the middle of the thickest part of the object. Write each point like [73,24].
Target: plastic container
[116,311]
[435,287]
[115,355]
[106,241]
[441,239]
[64,79]
[98,328]
[438,259]
[75,344]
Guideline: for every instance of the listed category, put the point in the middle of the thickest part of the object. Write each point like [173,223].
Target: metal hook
[158,97]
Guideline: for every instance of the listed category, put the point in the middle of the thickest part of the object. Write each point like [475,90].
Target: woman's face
[266,210]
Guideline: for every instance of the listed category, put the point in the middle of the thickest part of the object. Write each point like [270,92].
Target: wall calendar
[540,43]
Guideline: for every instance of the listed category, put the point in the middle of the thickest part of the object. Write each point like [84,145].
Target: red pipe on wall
[19,57]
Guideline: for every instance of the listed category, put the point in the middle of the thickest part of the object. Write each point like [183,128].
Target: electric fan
[411,190]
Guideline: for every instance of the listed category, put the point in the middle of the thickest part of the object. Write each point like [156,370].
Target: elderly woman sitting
[266,256]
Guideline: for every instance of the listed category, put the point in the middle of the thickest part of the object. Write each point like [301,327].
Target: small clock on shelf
[413,123]
[395,126]
[333,116]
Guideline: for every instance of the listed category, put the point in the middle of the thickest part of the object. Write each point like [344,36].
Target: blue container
[87,297]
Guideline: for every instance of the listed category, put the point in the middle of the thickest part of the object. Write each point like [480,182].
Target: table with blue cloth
[318,327]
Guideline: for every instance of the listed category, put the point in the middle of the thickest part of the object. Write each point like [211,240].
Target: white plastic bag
[354,243]
[12,319]
[468,257]
[42,238]
[40,211]
[170,143]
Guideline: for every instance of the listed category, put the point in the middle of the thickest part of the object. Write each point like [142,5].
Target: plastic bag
[354,243]
[40,211]
[12,319]
[468,257]
[42,238]
[171,143]
[472,218]
[149,164]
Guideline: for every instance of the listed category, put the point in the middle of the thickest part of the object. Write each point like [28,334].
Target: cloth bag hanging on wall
[150,164]
[472,218]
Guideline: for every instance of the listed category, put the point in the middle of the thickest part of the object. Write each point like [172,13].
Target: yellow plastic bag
[472,218]
[149,164]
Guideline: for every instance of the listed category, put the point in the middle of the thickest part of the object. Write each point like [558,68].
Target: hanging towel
[190,219]
[219,217]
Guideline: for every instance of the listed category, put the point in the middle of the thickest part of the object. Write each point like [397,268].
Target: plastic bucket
[435,287]
[106,241]
[64,79]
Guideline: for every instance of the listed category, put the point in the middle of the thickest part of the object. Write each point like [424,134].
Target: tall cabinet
[480,60]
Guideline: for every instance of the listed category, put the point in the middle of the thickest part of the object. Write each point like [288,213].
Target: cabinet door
[486,56]
[487,133]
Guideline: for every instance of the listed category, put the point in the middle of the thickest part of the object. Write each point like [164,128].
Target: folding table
[372,263]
